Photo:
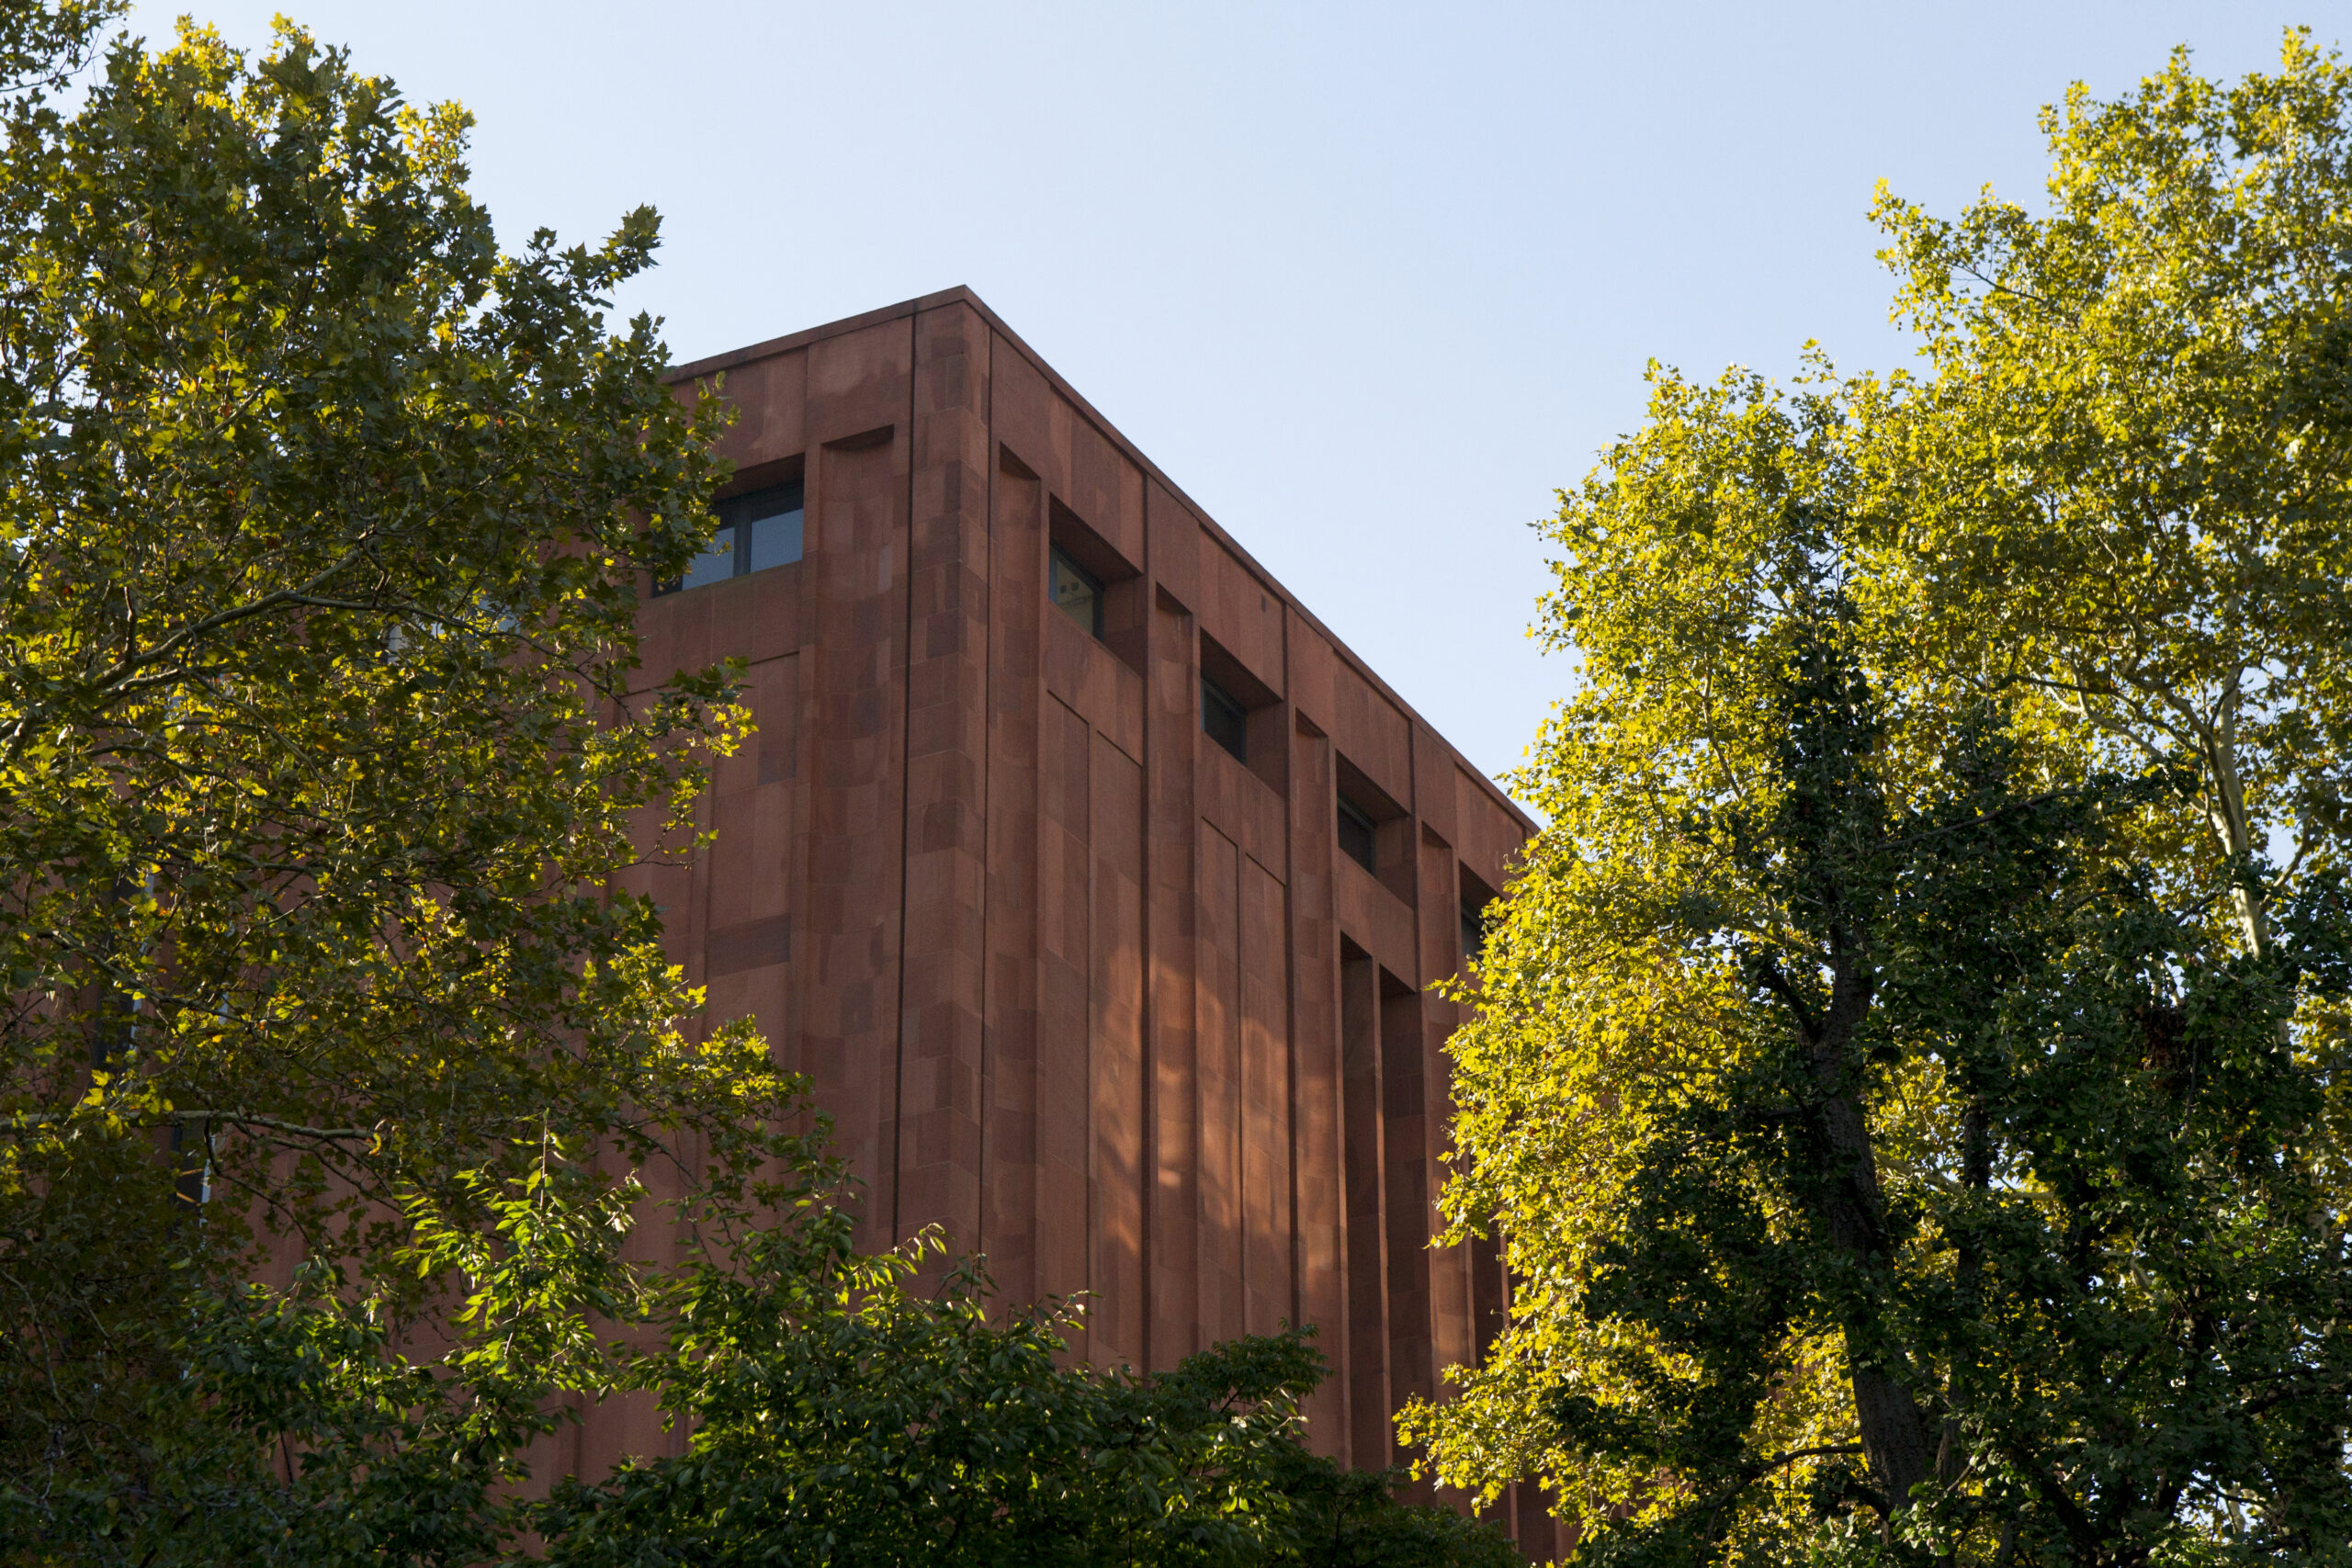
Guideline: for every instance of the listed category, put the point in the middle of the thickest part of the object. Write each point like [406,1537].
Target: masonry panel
[1124,987]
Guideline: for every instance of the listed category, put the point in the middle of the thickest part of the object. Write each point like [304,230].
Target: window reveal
[1225,720]
[1078,594]
[1356,834]
[758,529]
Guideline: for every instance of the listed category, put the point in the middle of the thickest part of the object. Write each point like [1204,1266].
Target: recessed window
[1078,594]
[716,564]
[758,529]
[1355,834]
[1473,932]
[1225,720]
[773,522]
[1481,908]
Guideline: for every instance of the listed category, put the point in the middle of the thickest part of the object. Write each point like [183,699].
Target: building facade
[1096,886]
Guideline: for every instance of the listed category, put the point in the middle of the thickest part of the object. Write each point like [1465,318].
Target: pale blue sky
[1369,281]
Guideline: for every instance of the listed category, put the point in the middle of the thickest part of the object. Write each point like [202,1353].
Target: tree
[1894,1162]
[321,529]
[840,1417]
[332,1056]
[2128,482]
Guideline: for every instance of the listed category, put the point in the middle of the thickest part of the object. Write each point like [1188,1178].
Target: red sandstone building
[1097,886]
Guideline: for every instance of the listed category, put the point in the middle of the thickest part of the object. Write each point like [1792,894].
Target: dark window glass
[1077,593]
[758,529]
[1473,932]
[1224,720]
[1355,833]
[716,564]
[770,521]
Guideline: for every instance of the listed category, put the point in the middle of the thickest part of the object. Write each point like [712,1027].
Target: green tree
[1887,1169]
[321,521]
[840,1416]
[1907,1072]
[331,1053]
[2128,482]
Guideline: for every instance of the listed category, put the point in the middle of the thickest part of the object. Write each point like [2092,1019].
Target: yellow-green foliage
[1906,1072]
[337,1071]
[322,523]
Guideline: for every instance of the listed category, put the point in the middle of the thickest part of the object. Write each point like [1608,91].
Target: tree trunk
[2231,824]
[1895,1439]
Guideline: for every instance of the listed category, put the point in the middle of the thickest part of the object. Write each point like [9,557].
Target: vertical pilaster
[1173,834]
[1017,700]
[1404,1092]
[860,401]
[1370,1439]
[1065,1110]
[1319,1172]
[1218,1059]
[1115,1320]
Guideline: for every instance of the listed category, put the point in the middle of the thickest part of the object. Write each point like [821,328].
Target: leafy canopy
[841,1416]
[1909,1090]
[332,1058]
[2124,484]
[321,525]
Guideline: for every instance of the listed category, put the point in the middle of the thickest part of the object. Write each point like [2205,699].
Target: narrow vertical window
[1473,932]
[1224,720]
[1078,594]
[1356,834]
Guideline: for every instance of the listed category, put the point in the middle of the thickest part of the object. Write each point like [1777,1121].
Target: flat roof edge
[715,364]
